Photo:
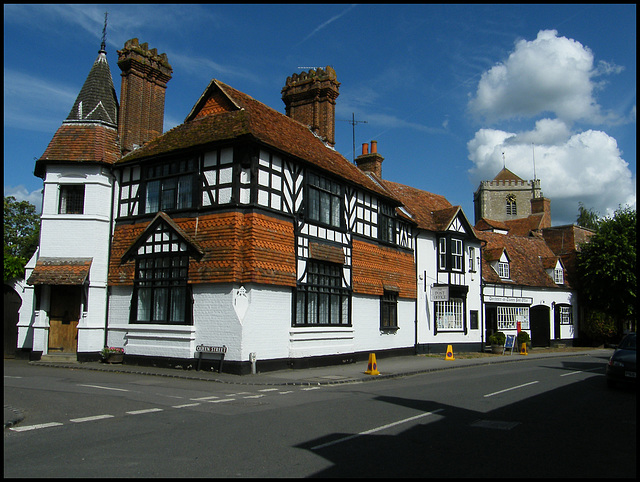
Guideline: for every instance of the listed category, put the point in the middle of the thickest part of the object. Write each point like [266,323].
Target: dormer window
[558,276]
[503,269]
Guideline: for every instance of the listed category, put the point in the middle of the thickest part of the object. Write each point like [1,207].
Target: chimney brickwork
[310,98]
[145,75]
[370,162]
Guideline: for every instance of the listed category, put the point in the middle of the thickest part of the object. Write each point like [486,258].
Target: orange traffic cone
[449,353]
[523,349]
[372,367]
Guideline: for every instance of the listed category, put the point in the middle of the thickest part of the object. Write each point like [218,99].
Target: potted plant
[112,354]
[497,341]
[523,337]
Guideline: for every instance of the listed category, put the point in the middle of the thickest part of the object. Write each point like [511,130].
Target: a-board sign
[509,343]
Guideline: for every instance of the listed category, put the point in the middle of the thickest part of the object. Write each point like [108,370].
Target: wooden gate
[63,318]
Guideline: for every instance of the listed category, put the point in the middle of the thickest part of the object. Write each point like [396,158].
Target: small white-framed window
[457,254]
[503,270]
[558,276]
[472,259]
[442,253]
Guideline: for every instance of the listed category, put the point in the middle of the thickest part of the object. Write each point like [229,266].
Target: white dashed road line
[34,427]
[91,419]
[147,410]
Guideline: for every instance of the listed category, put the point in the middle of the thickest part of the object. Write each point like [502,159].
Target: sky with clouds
[452,93]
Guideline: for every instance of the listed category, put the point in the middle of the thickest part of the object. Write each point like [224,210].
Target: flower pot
[114,358]
[497,349]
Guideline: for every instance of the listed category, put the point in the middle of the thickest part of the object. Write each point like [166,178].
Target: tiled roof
[241,115]
[528,258]
[428,209]
[90,132]
[60,271]
[506,175]
[81,143]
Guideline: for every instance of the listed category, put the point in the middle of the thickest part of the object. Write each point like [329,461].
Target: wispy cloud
[324,24]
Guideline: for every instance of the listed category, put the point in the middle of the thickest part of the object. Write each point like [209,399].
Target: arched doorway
[540,325]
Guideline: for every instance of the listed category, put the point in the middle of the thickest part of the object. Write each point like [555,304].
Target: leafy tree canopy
[21,236]
[607,267]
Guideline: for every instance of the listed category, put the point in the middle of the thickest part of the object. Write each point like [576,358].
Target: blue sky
[450,92]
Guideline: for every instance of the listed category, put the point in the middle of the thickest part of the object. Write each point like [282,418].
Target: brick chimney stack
[145,75]
[310,98]
[370,162]
[542,205]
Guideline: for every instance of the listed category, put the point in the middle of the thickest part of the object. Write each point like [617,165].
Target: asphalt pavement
[349,373]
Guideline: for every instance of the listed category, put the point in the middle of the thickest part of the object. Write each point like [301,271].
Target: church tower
[507,197]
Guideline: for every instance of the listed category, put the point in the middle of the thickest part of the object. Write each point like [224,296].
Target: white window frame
[558,276]
[503,270]
[449,315]
[509,316]
[457,254]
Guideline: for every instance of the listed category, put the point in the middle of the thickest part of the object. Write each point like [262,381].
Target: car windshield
[628,342]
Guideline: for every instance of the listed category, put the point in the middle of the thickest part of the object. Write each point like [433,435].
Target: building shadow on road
[547,435]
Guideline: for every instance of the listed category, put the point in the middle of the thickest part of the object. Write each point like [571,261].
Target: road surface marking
[147,410]
[268,390]
[104,388]
[222,400]
[377,429]
[91,419]
[34,427]
[580,371]
[509,389]
[312,388]
[254,396]
[204,398]
[186,405]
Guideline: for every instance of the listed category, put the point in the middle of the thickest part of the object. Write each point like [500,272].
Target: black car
[622,364]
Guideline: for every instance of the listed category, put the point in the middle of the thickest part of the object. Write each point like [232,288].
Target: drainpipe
[482,321]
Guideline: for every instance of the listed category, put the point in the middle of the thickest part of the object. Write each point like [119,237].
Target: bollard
[252,359]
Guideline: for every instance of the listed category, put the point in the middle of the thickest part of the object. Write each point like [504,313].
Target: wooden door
[63,318]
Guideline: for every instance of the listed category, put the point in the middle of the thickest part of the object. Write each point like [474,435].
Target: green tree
[587,218]
[21,236]
[607,270]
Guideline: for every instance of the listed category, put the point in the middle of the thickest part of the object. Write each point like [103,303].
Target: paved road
[543,417]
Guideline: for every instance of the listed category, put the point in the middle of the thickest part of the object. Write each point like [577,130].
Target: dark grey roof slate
[97,101]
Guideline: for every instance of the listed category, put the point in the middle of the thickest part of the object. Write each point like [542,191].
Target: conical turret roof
[90,133]
[97,101]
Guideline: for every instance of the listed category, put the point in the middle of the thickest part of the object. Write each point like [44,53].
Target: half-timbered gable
[273,207]
[447,254]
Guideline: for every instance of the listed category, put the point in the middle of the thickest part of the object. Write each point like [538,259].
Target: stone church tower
[507,197]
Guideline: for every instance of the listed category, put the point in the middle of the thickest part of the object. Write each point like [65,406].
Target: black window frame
[325,191]
[162,275]
[386,224]
[169,176]
[71,199]
[324,285]
[389,310]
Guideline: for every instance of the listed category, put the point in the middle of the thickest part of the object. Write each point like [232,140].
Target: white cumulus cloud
[582,167]
[550,74]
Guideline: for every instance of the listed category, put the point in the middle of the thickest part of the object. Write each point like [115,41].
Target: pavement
[391,367]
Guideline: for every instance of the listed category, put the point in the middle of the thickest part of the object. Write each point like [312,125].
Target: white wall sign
[439,293]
